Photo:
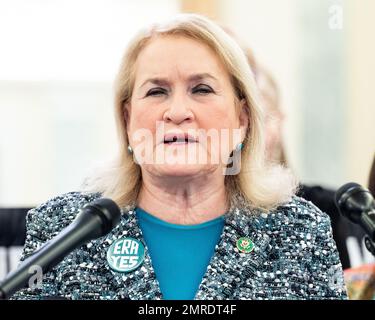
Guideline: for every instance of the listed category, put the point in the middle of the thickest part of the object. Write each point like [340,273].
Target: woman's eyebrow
[155,81]
[202,76]
[191,78]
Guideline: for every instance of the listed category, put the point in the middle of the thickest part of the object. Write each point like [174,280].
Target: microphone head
[352,200]
[108,212]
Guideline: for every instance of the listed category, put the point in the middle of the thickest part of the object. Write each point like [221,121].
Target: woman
[203,217]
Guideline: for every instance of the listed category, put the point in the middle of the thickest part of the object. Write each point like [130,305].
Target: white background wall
[57,63]
[360,89]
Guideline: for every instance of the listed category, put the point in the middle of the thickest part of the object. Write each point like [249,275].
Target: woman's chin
[178,170]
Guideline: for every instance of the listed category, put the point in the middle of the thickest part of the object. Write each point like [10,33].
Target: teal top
[180,254]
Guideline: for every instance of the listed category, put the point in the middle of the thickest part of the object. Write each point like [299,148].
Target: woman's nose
[178,111]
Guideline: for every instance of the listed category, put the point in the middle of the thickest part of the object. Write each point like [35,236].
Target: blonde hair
[261,185]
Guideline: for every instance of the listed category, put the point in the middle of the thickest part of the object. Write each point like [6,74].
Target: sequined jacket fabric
[294,256]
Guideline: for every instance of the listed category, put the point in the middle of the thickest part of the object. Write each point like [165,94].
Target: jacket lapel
[230,269]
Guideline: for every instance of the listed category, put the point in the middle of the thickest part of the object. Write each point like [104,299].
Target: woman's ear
[244,118]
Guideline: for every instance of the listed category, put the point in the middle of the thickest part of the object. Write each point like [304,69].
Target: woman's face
[182,119]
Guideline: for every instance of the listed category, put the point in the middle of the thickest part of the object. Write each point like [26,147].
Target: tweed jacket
[294,256]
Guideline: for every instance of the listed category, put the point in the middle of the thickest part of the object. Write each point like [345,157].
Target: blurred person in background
[322,197]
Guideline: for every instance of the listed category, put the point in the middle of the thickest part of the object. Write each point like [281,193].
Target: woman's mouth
[178,139]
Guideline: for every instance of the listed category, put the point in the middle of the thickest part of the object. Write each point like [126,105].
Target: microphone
[94,221]
[357,204]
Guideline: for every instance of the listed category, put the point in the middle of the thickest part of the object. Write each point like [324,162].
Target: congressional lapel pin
[245,245]
[125,254]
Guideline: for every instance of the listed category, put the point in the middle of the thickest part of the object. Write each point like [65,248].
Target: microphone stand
[94,221]
[358,205]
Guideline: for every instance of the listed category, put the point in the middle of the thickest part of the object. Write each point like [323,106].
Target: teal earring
[239,147]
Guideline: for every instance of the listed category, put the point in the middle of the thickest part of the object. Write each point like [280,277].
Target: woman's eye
[202,89]
[156,92]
